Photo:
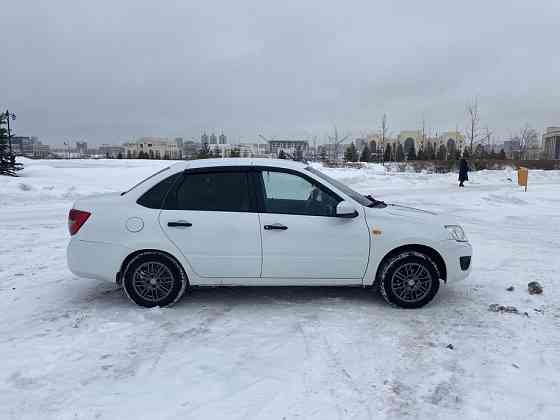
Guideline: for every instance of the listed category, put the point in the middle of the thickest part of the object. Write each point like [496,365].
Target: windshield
[144,180]
[363,200]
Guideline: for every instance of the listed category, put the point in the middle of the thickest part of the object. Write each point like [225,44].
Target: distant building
[551,143]
[222,139]
[204,139]
[512,148]
[253,149]
[292,148]
[331,151]
[219,150]
[360,143]
[375,144]
[23,146]
[533,153]
[179,142]
[190,149]
[453,142]
[30,147]
[41,151]
[81,147]
[213,139]
[111,151]
[153,148]
[411,141]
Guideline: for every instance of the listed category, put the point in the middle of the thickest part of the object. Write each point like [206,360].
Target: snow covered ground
[78,349]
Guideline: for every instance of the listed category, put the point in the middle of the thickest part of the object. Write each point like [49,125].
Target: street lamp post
[13,117]
[67,154]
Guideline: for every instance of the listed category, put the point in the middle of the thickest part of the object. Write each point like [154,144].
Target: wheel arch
[134,254]
[434,255]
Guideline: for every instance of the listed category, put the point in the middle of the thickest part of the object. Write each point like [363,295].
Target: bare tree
[487,136]
[384,128]
[433,138]
[423,132]
[314,153]
[336,142]
[528,138]
[473,129]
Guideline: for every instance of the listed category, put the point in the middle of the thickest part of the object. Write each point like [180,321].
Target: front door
[303,241]
[210,217]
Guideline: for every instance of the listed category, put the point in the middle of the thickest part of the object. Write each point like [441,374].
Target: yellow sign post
[522,177]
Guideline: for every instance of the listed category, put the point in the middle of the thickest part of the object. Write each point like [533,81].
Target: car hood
[400,210]
[414,214]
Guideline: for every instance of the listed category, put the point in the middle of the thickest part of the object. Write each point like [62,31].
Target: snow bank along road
[77,349]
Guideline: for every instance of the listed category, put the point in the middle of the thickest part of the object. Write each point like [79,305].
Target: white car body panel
[229,248]
[315,247]
[398,226]
[218,244]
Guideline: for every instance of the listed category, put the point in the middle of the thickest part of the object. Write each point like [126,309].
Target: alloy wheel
[411,282]
[152,281]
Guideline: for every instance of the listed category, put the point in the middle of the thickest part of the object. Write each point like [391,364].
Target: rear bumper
[96,260]
[454,253]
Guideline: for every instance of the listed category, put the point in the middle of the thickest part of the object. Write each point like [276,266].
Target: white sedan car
[260,222]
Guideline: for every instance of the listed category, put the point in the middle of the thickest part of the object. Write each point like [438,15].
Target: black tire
[154,279]
[409,280]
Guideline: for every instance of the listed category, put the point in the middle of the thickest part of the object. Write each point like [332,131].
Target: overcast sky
[109,71]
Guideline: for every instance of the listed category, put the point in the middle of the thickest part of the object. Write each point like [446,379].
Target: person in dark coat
[463,171]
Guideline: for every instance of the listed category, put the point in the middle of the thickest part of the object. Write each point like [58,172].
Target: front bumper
[97,260]
[458,259]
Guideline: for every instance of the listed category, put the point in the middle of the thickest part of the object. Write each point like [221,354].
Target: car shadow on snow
[114,296]
[279,295]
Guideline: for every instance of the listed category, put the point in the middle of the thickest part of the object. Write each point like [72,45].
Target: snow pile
[48,180]
[76,348]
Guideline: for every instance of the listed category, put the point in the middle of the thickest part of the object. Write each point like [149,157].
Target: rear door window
[211,191]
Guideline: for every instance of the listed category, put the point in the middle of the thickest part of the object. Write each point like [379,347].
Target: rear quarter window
[146,179]
[155,196]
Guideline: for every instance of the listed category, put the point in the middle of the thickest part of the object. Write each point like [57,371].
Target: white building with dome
[414,140]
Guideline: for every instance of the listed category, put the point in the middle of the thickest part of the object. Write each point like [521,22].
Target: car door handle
[179,223]
[275,226]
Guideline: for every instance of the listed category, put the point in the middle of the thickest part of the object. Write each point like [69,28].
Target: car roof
[213,163]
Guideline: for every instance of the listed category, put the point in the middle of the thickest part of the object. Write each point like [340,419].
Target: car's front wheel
[409,280]
[154,279]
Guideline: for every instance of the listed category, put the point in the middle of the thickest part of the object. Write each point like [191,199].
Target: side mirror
[346,210]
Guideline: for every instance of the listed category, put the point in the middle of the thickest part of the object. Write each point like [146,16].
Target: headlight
[456,232]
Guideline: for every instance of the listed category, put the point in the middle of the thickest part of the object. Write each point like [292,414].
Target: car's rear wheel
[409,280]
[154,279]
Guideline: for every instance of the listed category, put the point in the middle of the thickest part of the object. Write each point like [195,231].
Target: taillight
[76,218]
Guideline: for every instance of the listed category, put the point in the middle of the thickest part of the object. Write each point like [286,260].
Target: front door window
[287,193]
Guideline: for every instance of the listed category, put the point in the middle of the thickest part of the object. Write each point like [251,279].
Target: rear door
[210,216]
[303,241]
